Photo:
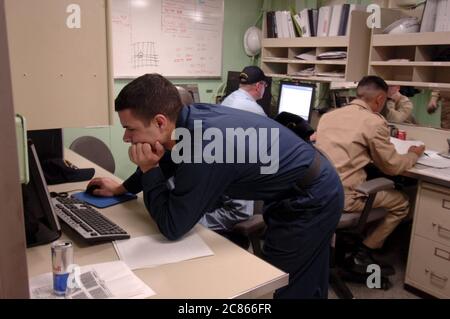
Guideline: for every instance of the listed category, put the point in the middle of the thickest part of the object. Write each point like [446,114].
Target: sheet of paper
[98,281]
[154,250]
[402,146]
[433,159]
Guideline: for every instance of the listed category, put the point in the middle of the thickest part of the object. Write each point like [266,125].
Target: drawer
[429,267]
[432,219]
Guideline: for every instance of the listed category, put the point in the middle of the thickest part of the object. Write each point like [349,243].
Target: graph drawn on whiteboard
[144,54]
[177,38]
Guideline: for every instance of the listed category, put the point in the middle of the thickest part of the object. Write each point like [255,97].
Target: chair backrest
[94,150]
[186,96]
[253,228]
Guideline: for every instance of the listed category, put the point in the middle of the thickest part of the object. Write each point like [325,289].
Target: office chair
[350,232]
[94,150]
[253,228]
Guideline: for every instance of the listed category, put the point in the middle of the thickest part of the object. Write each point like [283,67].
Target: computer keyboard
[87,221]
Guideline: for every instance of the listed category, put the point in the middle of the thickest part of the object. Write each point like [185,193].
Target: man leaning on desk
[355,136]
[303,195]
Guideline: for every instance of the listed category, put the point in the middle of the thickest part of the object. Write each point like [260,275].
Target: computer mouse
[90,189]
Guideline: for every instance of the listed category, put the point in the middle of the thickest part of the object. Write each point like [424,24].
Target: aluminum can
[401,135]
[62,258]
[393,130]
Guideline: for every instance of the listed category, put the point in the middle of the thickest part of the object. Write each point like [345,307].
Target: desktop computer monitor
[48,143]
[296,98]
[233,81]
[41,222]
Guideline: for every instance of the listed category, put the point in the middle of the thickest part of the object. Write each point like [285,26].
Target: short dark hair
[373,82]
[149,95]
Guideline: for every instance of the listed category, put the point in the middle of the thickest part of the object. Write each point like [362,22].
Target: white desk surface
[440,176]
[437,175]
[434,139]
[231,273]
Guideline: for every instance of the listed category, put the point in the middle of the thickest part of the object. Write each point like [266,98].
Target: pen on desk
[426,154]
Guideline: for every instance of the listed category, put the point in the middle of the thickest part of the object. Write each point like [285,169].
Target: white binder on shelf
[429,16]
[304,23]
[324,21]
[281,31]
[335,20]
[442,16]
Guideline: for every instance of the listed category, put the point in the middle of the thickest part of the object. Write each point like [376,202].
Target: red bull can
[62,258]
[401,135]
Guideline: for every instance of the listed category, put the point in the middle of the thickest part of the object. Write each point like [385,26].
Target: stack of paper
[334,74]
[433,159]
[307,56]
[155,250]
[99,281]
[332,55]
[305,72]
[402,146]
[429,158]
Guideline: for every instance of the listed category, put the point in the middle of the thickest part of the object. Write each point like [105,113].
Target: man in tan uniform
[354,136]
[444,98]
[398,107]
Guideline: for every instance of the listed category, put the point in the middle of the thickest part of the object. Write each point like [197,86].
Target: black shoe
[362,258]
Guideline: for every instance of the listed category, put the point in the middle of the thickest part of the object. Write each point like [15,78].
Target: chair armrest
[254,224]
[375,185]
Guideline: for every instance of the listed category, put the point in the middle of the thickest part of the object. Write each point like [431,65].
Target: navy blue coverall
[300,222]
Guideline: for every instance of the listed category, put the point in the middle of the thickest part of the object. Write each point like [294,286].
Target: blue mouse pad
[103,202]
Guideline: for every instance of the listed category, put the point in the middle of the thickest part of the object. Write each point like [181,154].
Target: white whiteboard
[176,38]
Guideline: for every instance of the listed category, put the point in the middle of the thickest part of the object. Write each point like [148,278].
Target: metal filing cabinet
[428,266]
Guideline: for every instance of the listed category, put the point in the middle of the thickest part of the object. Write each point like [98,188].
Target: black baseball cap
[252,74]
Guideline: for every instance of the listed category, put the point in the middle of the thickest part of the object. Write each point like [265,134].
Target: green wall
[420,102]
[239,15]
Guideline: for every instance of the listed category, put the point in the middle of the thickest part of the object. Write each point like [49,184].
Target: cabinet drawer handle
[444,232]
[441,253]
[445,204]
[443,279]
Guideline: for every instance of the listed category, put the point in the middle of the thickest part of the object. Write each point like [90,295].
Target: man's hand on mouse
[107,187]
[145,156]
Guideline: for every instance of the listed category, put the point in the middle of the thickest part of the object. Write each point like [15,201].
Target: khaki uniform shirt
[400,112]
[354,136]
[444,98]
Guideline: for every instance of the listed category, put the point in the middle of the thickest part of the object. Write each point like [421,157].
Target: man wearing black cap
[253,82]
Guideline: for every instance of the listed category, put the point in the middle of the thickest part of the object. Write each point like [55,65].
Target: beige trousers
[397,205]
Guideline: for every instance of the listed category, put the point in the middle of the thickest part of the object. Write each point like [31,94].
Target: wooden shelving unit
[409,59]
[278,55]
